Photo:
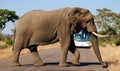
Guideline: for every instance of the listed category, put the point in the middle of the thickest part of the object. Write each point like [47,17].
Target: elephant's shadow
[81,63]
[56,63]
[89,63]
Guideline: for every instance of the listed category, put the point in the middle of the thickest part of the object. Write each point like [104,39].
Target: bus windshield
[82,36]
[81,39]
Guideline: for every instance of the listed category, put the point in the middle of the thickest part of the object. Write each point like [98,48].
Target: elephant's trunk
[94,41]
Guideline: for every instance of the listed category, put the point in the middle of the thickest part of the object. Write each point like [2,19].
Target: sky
[23,6]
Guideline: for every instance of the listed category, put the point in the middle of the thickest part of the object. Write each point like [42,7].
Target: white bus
[81,39]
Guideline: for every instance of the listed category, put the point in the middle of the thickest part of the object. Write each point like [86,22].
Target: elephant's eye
[88,21]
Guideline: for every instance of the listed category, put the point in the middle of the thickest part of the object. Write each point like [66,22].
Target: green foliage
[7,39]
[9,42]
[1,36]
[108,22]
[117,42]
[6,16]
[3,46]
[101,43]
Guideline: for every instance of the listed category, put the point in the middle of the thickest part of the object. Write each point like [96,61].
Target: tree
[106,19]
[108,22]
[6,16]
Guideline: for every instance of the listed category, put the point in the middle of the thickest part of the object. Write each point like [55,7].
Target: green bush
[3,46]
[117,42]
[9,42]
[1,36]
[7,39]
[102,43]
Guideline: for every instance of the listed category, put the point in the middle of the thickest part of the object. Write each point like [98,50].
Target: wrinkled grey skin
[40,27]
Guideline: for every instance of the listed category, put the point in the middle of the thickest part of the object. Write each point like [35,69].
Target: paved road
[51,58]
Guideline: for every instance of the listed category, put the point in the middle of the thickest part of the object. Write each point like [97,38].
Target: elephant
[40,27]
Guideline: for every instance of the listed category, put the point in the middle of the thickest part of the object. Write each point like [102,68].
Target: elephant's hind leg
[16,52]
[37,59]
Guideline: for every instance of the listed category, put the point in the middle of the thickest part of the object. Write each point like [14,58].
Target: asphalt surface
[51,59]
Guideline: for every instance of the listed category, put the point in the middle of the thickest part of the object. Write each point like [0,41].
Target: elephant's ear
[73,18]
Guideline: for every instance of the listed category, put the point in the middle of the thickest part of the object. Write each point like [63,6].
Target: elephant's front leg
[37,59]
[75,52]
[64,52]
[65,44]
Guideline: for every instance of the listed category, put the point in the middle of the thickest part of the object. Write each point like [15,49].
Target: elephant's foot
[39,64]
[104,65]
[76,63]
[63,65]
[15,64]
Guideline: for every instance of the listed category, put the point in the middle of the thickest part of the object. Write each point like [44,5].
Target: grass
[111,54]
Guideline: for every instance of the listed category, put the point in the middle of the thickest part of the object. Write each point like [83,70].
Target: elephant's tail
[14,34]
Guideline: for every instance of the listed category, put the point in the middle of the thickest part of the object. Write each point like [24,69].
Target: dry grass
[109,54]
[8,51]
[5,53]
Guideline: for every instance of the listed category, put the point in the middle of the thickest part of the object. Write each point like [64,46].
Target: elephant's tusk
[100,35]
